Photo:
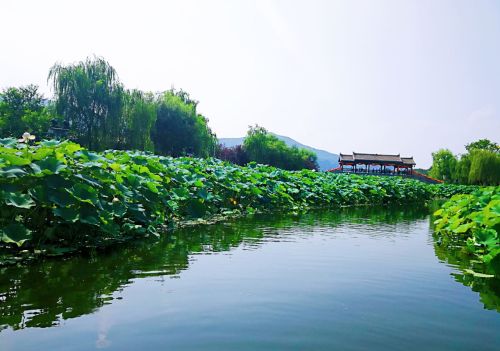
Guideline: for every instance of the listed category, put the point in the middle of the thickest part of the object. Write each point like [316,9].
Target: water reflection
[488,288]
[45,293]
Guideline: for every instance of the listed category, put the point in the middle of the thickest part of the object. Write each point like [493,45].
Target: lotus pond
[352,279]
[58,198]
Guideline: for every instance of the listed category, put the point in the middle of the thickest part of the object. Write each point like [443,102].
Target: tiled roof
[408,160]
[346,157]
[376,158]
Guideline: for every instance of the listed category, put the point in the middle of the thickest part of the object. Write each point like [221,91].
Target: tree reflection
[46,292]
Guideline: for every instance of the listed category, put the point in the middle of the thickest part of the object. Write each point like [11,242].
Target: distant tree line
[479,165]
[95,110]
[262,147]
[92,107]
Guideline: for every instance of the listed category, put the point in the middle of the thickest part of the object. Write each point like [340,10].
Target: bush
[235,154]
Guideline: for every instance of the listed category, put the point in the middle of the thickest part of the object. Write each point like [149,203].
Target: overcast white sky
[395,76]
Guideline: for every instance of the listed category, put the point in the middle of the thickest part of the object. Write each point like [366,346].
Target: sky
[387,76]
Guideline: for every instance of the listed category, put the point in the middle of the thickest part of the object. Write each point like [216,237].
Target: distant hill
[326,160]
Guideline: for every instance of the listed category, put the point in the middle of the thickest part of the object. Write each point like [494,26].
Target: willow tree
[462,169]
[179,130]
[139,115]
[443,165]
[90,97]
[484,168]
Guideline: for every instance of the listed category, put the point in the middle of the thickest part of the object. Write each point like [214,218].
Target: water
[360,279]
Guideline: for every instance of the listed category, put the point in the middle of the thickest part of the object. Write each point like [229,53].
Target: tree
[484,167]
[90,96]
[480,165]
[22,110]
[443,165]
[139,115]
[256,145]
[235,154]
[263,147]
[207,139]
[462,170]
[179,130]
[483,144]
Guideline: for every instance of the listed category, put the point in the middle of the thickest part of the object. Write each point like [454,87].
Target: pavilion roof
[344,157]
[408,160]
[376,158]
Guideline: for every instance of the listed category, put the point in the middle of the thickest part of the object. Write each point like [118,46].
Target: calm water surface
[363,279]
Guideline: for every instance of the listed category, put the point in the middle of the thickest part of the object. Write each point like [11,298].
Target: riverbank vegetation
[25,109]
[479,165]
[262,147]
[474,220]
[61,195]
[58,196]
[92,108]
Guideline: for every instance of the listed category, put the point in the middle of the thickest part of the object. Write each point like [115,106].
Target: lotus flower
[26,138]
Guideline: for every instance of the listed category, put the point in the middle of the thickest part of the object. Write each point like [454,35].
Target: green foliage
[139,118]
[480,165]
[462,170]
[23,110]
[263,147]
[443,165]
[481,277]
[15,233]
[483,144]
[179,129]
[473,219]
[57,193]
[422,170]
[102,115]
[445,191]
[90,96]
[484,167]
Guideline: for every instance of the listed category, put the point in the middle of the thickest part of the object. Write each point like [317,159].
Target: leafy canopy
[480,165]
[483,144]
[263,147]
[22,110]
[179,129]
[89,95]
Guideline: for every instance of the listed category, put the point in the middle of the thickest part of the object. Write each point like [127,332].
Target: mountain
[326,160]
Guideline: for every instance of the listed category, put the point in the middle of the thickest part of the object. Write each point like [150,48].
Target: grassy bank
[57,196]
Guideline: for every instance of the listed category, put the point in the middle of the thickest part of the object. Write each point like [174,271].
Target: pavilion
[376,163]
